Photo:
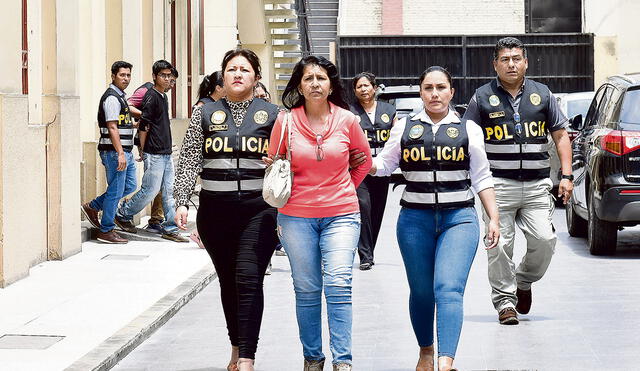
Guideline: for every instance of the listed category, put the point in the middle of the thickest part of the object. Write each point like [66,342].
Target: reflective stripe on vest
[232,185]
[433,179]
[232,163]
[526,164]
[441,176]
[232,155]
[516,144]
[123,142]
[443,197]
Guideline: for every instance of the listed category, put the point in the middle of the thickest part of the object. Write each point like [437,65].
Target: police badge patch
[453,132]
[535,99]
[218,117]
[385,118]
[260,117]
[494,100]
[416,131]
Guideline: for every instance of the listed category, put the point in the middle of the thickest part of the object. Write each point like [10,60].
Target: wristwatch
[568,177]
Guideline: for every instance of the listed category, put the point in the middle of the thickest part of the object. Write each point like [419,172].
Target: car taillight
[620,142]
[572,135]
[630,192]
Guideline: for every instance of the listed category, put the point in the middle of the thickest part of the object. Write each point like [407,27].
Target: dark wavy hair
[371,77]
[291,98]
[209,83]
[253,59]
[508,43]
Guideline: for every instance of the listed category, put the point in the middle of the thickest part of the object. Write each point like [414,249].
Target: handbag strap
[285,125]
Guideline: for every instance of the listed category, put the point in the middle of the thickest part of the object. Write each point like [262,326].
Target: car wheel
[602,235]
[576,226]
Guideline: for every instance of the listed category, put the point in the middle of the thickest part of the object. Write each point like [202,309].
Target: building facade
[56,58]
[616,48]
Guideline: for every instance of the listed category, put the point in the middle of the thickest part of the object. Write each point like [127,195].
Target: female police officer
[442,158]
[376,119]
[227,139]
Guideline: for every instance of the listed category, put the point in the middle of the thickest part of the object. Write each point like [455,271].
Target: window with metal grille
[553,16]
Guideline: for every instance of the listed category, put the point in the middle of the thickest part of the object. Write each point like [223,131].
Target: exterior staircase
[322,18]
[298,28]
[285,39]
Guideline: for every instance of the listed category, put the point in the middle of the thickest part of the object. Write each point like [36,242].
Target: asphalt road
[584,317]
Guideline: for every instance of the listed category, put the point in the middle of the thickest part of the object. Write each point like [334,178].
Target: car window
[408,104]
[578,107]
[604,107]
[630,111]
[593,108]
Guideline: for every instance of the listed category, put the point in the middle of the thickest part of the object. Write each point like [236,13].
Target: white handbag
[278,177]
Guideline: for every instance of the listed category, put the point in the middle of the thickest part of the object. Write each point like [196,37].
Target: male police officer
[516,114]
[116,143]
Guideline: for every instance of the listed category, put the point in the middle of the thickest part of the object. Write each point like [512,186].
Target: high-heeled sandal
[232,367]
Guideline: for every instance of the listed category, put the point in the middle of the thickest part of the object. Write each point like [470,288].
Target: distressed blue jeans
[119,184]
[438,247]
[321,253]
[158,175]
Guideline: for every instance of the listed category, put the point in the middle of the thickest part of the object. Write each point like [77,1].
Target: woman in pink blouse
[320,225]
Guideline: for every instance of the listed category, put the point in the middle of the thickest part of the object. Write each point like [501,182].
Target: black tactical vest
[516,144]
[436,166]
[125,125]
[232,156]
[377,132]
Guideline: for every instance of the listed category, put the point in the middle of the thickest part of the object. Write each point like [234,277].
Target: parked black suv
[606,165]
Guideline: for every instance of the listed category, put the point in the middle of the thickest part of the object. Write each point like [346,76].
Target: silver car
[572,105]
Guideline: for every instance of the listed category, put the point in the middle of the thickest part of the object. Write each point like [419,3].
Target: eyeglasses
[518,126]
[319,151]
[165,76]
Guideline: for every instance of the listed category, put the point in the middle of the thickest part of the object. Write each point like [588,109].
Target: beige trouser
[530,205]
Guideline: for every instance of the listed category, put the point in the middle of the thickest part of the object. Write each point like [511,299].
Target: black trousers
[240,237]
[372,197]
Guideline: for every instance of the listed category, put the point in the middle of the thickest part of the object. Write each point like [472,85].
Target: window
[544,16]
[630,111]
[593,109]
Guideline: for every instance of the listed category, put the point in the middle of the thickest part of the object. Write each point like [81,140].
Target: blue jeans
[321,252]
[158,175]
[438,247]
[119,184]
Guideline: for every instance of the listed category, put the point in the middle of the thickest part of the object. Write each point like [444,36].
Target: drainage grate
[124,257]
[10,341]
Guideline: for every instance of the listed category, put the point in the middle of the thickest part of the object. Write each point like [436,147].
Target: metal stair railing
[302,8]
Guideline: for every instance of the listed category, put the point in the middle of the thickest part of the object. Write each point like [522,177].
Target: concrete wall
[362,17]
[463,17]
[220,31]
[48,158]
[617,47]
[24,190]
[435,17]
[10,58]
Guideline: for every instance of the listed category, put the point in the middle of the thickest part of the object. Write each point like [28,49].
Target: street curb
[119,345]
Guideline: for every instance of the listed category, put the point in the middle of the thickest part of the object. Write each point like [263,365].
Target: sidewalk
[88,311]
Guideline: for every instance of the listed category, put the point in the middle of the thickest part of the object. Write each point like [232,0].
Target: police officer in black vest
[376,119]
[442,159]
[115,145]
[226,139]
[516,114]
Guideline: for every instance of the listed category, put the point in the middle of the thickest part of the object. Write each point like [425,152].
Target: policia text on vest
[436,166]
[232,155]
[516,142]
